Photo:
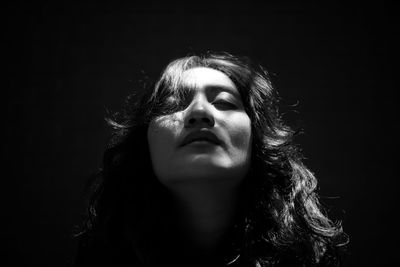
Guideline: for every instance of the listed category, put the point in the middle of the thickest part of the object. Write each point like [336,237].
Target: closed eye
[224,105]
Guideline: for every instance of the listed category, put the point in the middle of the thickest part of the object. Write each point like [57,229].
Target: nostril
[205,120]
[201,118]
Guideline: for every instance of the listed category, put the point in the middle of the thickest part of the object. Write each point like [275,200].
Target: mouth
[201,138]
[201,142]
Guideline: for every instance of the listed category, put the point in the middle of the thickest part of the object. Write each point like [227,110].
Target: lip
[204,135]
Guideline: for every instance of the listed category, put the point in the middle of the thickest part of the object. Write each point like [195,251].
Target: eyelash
[225,103]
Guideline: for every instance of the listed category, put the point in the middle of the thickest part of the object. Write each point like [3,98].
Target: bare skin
[206,212]
[204,177]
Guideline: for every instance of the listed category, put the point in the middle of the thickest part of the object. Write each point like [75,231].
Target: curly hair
[281,222]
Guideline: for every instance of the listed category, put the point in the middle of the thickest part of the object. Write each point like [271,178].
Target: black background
[67,64]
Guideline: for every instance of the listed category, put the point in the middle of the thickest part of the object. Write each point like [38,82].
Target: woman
[201,171]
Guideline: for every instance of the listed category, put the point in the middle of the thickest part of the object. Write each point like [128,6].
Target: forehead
[202,77]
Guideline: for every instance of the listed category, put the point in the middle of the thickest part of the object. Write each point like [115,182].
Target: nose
[199,114]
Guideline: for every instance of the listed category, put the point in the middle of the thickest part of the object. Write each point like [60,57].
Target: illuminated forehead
[203,78]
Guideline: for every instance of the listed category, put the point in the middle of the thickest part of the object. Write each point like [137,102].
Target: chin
[199,173]
[201,168]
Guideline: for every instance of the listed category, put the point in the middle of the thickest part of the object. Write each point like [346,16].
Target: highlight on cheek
[169,122]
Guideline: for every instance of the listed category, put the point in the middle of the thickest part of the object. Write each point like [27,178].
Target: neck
[206,211]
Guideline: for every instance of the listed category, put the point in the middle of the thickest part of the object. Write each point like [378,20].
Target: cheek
[240,132]
[162,129]
[161,135]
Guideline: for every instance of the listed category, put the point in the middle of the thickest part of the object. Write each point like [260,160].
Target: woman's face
[207,140]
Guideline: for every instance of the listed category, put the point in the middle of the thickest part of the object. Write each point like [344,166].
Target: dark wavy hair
[280,223]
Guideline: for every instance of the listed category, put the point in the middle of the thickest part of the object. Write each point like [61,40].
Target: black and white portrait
[199,134]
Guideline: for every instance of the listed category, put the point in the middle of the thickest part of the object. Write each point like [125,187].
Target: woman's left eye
[224,104]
